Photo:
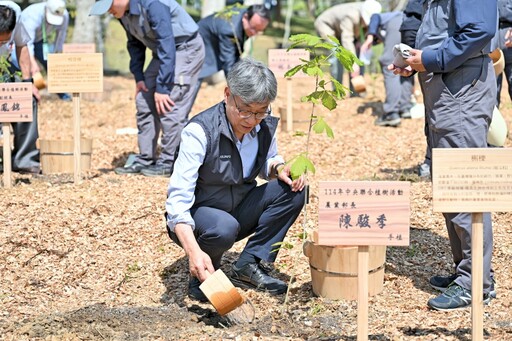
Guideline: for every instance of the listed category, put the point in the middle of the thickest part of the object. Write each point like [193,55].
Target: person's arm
[21,39]
[61,32]
[32,21]
[228,50]
[373,28]
[180,198]
[160,21]
[276,168]
[348,36]
[475,25]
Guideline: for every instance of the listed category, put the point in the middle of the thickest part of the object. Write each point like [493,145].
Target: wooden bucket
[57,155]
[334,270]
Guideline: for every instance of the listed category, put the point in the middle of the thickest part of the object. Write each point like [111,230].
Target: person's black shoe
[157,170]
[134,168]
[194,292]
[388,120]
[27,170]
[441,283]
[253,276]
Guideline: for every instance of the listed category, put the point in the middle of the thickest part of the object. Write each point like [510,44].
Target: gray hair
[252,81]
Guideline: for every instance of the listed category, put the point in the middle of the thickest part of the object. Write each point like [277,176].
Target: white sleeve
[180,193]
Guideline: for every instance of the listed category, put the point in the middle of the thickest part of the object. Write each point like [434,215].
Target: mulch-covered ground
[92,261]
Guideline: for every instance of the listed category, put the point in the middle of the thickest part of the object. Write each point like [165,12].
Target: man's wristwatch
[28,80]
[276,168]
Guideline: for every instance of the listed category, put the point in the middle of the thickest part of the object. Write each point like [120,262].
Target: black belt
[182,40]
[505,24]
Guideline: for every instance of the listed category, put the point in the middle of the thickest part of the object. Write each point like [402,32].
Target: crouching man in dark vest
[213,198]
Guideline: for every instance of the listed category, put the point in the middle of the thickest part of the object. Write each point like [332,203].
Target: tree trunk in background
[87,28]
[211,6]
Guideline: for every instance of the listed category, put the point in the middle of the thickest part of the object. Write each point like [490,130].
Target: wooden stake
[477,265]
[77,153]
[289,105]
[6,131]
[362,293]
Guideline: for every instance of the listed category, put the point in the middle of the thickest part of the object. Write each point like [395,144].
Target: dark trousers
[266,214]
[25,153]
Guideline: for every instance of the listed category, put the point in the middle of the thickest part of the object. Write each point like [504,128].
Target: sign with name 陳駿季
[16,102]
[363,213]
[281,60]
[75,72]
[472,179]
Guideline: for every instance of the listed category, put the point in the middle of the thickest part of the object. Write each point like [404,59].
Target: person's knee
[222,235]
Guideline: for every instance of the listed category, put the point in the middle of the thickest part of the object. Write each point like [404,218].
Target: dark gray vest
[220,183]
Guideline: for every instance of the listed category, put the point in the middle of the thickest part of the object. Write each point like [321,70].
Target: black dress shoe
[253,276]
[194,292]
[161,170]
[134,168]
[28,170]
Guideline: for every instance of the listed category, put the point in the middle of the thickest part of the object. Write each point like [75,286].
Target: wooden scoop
[221,293]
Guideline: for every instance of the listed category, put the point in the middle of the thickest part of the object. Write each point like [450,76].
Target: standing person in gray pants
[164,91]
[385,28]
[459,89]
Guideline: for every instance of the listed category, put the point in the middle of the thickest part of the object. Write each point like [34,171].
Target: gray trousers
[458,107]
[398,89]
[189,60]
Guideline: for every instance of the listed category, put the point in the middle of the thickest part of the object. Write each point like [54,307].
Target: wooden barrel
[57,155]
[334,270]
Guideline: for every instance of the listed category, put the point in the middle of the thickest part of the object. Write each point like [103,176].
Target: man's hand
[35,93]
[283,174]
[200,264]
[405,72]
[508,38]
[414,60]
[163,103]
[140,86]
[356,70]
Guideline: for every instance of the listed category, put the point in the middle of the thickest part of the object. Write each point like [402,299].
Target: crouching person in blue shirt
[213,199]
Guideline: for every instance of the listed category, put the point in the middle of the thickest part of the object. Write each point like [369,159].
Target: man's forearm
[24,62]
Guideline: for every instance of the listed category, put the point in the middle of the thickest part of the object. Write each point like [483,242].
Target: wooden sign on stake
[473,180]
[280,61]
[79,48]
[363,213]
[76,73]
[15,106]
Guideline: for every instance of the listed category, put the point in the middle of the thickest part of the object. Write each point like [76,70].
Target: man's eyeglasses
[248,114]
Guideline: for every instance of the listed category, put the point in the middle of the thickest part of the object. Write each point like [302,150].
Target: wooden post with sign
[15,106]
[280,61]
[473,180]
[363,213]
[75,73]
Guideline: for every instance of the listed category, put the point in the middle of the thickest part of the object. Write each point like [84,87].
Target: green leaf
[300,166]
[305,39]
[334,40]
[293,71]
[320,126]
[328,101]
